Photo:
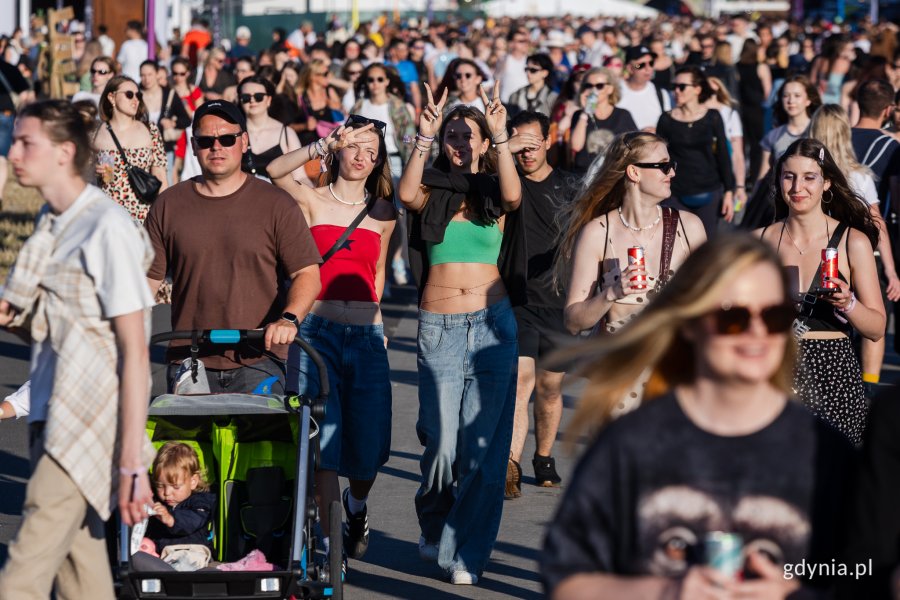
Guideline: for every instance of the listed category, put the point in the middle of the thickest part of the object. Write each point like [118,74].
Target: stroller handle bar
[231,337]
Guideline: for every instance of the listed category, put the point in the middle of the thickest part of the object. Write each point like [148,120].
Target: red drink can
[829,267]
[636,256]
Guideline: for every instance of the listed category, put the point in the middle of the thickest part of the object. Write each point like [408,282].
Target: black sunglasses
[533,69]
[376,79]
[257,97]
[179,73]
[100,72]
[643,65]
[130,94]
[464,75]
[227,140]
[682,86]
[593,86]
[665,167]
[381,126]
[777,318]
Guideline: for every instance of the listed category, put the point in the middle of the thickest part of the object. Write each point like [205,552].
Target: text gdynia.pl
[811,570]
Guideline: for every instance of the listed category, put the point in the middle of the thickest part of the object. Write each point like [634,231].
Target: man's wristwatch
[290,318]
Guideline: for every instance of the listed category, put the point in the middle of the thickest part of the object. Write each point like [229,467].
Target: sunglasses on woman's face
[464,75]
[257,97]
[680,87]
[665,167]
[353,73]
[227,140]
[100,72]
[131,94]
[533,69]
[594,86]
[376,79]
[179,73]
[736,319]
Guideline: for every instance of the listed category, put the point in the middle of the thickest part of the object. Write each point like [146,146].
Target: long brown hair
[654,339]
[605,192]
[379,182]
[106,107]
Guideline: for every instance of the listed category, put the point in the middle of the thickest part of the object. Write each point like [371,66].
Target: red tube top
[350,273]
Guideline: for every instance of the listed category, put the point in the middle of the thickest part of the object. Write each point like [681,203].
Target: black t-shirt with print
[600,134]
[653,484]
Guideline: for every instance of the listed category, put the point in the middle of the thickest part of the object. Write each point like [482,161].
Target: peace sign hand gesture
[433,114]
[494,111]
[344,136]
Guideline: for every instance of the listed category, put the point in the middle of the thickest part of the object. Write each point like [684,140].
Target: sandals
[513,480]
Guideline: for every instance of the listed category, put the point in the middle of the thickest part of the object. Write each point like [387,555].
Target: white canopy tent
[550,8]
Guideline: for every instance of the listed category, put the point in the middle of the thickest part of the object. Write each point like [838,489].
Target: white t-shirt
[131,55]
[104,241]
[732,120]
[82,95]
[863,184]
[381,112]
[512,76]
[20,400]
[644,104]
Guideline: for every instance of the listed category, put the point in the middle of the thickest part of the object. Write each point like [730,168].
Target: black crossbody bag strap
[119,146]
[350,229]
[809,298]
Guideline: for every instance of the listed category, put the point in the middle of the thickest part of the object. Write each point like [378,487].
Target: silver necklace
[650,226]
[801,251]
[342,201]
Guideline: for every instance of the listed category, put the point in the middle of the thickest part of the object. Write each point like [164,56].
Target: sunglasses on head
[680,87]
[594,86]
[665,167]
[376,79]
[381,126]
[734,320]
[227,140]
[533,69]
[257,97]
[100,72]
[131,94]
[464,75]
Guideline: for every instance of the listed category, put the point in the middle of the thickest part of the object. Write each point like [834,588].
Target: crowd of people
[567,196]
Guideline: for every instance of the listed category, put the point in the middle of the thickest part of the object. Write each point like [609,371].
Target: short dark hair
[873,97]
[151,63]
[527,117]
[542,60]
[102,29]
[135,26]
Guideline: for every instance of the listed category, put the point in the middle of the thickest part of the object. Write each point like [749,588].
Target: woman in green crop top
[467,347]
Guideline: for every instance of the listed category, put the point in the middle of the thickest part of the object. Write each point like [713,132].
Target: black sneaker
[545,474]
[356,529]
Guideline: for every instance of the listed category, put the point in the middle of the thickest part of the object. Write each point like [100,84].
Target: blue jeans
[6,133]
[356,433]
[467,393]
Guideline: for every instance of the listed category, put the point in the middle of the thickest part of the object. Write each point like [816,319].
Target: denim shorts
[355,435]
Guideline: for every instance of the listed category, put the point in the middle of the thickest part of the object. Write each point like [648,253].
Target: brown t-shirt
[228,257]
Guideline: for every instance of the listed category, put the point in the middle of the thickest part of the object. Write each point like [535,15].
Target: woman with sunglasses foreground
[467,341]
[124,115]
[818,209]
[351,219]
[617,210]
[717,454]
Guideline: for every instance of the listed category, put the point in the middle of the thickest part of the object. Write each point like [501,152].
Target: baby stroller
[259,453]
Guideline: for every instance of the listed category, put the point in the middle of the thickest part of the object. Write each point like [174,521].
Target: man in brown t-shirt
[229,241]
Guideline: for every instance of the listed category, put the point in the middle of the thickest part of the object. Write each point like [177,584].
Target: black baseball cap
[638,52]
[226,110]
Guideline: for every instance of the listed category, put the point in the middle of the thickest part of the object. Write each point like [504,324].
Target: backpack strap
[659,97]
[887,142]
[350,229]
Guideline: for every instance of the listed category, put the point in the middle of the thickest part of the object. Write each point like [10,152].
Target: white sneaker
[463,578]
[399,268]
[427,552]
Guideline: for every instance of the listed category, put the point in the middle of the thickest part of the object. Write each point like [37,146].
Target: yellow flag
[354,15]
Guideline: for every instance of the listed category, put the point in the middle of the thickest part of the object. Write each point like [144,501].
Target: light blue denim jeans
[467,393]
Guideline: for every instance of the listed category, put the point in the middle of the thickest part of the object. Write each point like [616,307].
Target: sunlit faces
[254,99]
[685,89]
[34,157]
[653,182]
[463,143]
[243,70]
[532,159]
[101,73]
[794,99]
[219,161]
[376,80]
[754,355]
[148,77]
[802,184]
[175,486]
[596,83]
[127,98]
[359,159]
[468,78]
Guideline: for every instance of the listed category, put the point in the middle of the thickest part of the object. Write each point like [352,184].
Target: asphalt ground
[392,567]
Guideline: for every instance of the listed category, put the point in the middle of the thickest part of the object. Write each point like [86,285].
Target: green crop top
[467,242]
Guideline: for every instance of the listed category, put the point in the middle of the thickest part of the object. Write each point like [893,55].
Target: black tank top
[256,164]
[749,87]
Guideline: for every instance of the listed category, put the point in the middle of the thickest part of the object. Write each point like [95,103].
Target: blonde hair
[831,126]
[307,73]
[177,456]
[602,193]
[611,80]
[653,340]
[721,92]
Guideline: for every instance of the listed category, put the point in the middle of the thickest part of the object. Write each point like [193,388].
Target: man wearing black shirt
[11,81]
[529,248]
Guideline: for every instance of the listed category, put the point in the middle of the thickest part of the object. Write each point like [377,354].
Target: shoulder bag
[350,229]
[144,184]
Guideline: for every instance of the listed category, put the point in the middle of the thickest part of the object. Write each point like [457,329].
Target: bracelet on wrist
[850,305]
[424,138]
[503,141]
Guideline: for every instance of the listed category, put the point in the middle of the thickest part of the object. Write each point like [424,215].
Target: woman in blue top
[467,342]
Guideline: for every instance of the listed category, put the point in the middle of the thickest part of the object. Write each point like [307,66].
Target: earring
[830,197]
